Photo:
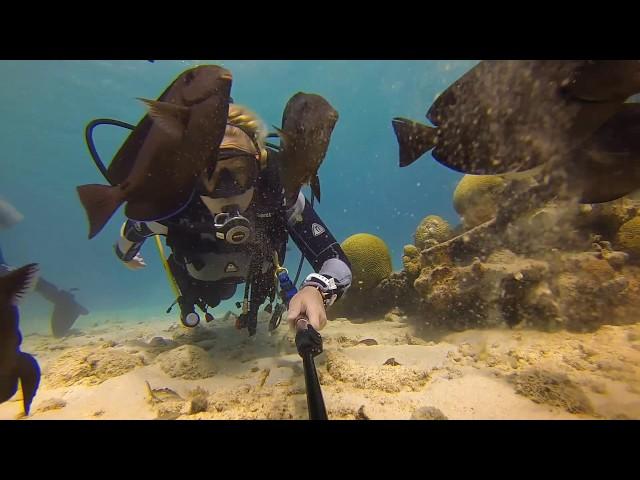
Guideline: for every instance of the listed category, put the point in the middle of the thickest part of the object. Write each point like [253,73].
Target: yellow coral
[475,198]
[432,231]
[411,261]
[370,259]
[629,236]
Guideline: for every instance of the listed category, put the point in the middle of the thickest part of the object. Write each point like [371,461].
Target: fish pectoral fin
[15,284]
[171,118]
[281,133]
[315,187]
[29,373]
[414,139]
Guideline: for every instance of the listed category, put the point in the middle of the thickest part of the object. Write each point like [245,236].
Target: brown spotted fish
[511,116]
[307,124]
[156,169]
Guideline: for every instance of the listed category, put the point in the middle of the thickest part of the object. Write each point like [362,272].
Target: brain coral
[370,259]
[629,236]
[475,198]
[432,231]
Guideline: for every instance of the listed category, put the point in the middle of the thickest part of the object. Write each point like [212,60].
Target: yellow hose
[172,281]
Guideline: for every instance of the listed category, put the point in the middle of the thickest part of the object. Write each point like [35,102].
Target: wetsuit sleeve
[132,236]
[317,244]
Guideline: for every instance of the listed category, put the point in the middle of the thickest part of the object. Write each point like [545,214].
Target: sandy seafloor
[215,372]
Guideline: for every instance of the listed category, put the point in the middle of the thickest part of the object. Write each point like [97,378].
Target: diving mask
[229,191]
[235,172]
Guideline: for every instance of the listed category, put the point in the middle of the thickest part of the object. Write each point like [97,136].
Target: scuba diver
[66,309]
[235,230]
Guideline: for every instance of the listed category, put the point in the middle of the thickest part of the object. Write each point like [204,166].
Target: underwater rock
[392,317]
[193,335]
[206,344]
[187,361]
[199,401]
[361,414]
[431,231]
[587,289]
[394,291]
[462,297]
[550,388]
[385,378]
[607,218]
[159,342]
[576,291]
[87,366]
[51,404]
[428,413]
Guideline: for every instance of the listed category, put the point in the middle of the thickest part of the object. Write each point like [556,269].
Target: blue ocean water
[46,105]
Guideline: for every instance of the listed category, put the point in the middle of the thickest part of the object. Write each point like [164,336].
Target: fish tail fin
[28,371]
[414,139]
[315,187]
[100,202]
[8,386]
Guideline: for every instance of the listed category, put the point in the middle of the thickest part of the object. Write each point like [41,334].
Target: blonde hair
[240,117]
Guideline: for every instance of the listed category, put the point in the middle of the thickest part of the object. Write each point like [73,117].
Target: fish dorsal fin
[170,117]
[14,285]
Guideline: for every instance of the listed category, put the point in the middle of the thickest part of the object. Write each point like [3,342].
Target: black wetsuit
[208,270]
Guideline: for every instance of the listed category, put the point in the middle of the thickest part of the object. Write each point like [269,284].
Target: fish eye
[188,78]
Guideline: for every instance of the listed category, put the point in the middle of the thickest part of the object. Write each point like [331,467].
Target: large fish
[512,116]
[14,364]
[307,124]
[607,165]
[156,169]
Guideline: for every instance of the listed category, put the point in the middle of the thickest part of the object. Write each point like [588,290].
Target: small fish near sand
[159,395]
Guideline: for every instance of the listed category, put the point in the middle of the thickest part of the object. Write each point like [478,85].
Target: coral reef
[476,198]
[411,261]
[628,236]
[393,292]
[577,291]
[370,260]
[431,231]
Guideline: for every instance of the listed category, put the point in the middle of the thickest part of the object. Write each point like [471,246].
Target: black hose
[88,135]
[295,282]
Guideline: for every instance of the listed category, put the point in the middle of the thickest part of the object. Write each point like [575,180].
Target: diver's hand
[136,263]
[307,303]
